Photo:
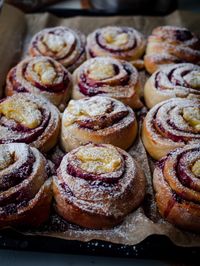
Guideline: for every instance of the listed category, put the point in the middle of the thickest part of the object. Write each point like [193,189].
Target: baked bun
[97,186]
[171,124]
[177,177]
[123,43]
[176,80]
[98,120]
[25,190]
[106,76]
[29,119]
[171,44]
[63,44]
[41,76]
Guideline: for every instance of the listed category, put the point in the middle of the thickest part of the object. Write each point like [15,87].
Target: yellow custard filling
[116,38]
[100,71]
[193,80]
[99,159]
[196,168]
[22,111]
[192,116]
[54,42]
[45,72]
[6,158]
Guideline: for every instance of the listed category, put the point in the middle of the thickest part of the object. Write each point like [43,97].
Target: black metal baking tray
[153,247]
[155,8]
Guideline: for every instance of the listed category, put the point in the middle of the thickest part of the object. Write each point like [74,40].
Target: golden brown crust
[41,76]
[78,216]
[25,196]
[99,199]
[63,44]
[106,76]
[171,44]
[166,126]
[173,177]
[98,120]
[35,214]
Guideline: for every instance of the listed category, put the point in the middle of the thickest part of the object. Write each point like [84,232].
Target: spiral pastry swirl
[29,119]
[41,76]
[123,43]
[25,190]
[171,44]
[106,76]
[171,124]
[97,186]
[177,177]
[176,80]
[63,44]
[98,120]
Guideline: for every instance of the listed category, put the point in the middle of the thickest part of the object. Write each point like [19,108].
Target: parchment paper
[145,220]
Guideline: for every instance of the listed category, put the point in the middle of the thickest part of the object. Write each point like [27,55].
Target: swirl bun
[98,120]
[25,190]
[106,76]
[171,44]
[63,44]
[41,76]
[123,43]
[171,124]
[97,186]
[29,119]
[178,80]
[177,177]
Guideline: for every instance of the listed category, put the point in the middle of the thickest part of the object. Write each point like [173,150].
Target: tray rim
[166,240]
[153,247]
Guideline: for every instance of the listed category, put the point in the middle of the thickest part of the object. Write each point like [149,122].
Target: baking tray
[65,12]
[158,8]
[153,247]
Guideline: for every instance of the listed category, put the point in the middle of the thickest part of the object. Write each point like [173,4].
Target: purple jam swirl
[90,87]
[80,173]
[170,135]
[51,88]
[102,121]
[181,169]
[183,35]
[75,171]
[17,175]
[29,135]
[112,50]
[81,48]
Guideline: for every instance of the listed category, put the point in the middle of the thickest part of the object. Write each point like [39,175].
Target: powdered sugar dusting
[50,119]
[170,44]
[118,42]
[96,109]
[20,181]
[122,83]
[180,80]
[98,196]
[131,230]
[168,117]
[62,44]
[35,67]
